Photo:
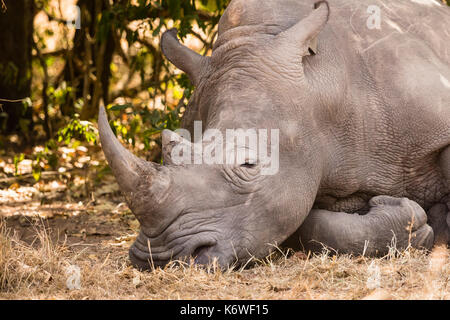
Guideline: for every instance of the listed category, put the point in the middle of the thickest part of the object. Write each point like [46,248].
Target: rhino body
[364,120]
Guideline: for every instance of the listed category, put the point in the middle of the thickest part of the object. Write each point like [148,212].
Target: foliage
[154,16]
[78,129]
[74,133]
[145,94]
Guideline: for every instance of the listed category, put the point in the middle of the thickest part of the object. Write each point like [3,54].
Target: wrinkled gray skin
[364,116]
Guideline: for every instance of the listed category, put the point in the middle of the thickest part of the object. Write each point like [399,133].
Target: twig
[43,174]
[119,48]
[60,52]
[12,101]
[82,244]
[45,83]
[53,18]
[27,176]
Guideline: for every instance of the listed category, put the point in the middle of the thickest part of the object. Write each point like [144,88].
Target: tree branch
[47,126]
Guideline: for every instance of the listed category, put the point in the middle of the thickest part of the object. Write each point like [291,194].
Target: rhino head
[230,212]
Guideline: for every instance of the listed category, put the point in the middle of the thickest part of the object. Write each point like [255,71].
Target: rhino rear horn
[182,57]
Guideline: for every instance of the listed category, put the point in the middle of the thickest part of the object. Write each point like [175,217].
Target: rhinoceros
[360,93]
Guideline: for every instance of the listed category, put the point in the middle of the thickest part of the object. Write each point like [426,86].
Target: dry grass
[39,271]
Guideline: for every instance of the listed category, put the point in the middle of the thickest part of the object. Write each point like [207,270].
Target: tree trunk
[16,39]
[88,64]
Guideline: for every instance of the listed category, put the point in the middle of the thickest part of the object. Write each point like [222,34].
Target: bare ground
[48,236]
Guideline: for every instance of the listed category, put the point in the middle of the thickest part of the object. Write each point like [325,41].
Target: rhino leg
[439,214]
[439,219]
[390,221]
[444,162]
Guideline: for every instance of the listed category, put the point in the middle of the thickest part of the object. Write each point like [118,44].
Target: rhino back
[424,19]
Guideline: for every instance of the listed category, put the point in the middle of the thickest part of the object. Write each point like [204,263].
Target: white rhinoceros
[360,93]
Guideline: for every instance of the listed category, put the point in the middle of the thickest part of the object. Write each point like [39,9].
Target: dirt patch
[81,228]
[95,227]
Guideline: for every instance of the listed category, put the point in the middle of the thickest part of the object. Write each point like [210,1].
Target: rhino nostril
[200,250]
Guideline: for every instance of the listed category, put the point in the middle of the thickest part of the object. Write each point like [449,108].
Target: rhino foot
[423,238]
[390,221]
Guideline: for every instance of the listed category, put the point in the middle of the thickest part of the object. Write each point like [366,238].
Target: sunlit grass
[40,271]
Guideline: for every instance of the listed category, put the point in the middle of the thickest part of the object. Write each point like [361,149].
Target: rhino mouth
[144,257]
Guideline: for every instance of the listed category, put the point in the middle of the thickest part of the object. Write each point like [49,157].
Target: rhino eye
[248,164]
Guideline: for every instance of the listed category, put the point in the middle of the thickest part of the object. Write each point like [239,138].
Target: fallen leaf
[14,186]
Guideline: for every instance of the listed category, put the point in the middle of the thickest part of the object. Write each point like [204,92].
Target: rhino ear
[304,34]
[176,147]
[182,57]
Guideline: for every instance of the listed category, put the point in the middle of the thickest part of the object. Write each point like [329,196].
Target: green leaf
[17,159]
[120,107]
[37,175]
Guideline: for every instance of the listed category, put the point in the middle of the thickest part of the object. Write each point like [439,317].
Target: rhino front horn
[132,174]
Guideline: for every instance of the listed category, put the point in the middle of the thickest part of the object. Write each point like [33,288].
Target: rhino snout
[203,250]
